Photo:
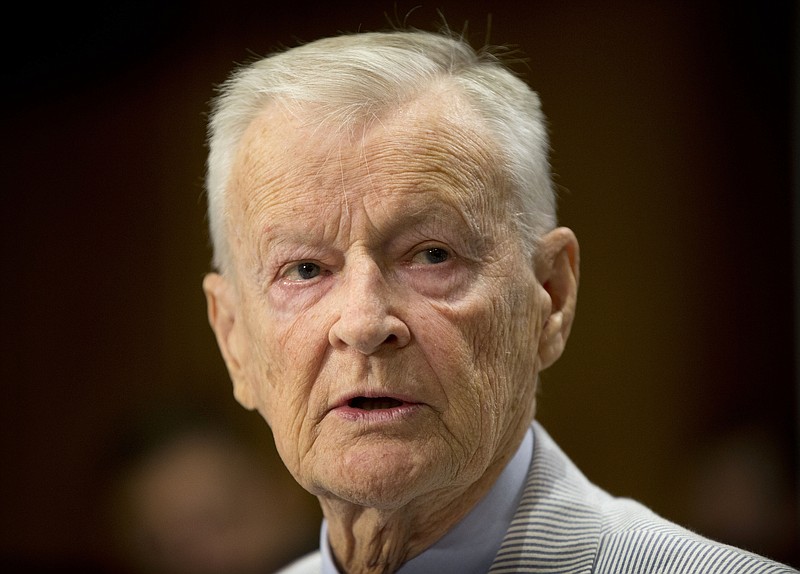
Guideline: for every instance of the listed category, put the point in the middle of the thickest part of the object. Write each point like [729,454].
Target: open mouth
[373,403]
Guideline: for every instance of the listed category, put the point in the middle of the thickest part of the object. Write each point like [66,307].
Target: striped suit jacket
[566,525]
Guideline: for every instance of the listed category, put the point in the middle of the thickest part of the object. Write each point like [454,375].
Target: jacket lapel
[556,528]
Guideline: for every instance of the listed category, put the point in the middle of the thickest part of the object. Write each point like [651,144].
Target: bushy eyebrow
[437,219]
[440,216]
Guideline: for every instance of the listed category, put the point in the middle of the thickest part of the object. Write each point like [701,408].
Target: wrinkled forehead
[435,146]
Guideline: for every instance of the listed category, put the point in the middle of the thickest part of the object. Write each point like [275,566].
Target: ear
[222,305]
[557,270]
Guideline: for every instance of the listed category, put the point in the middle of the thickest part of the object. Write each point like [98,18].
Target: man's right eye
[308,270]
[302,271]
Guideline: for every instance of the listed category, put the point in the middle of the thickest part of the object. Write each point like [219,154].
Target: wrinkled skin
[383,264]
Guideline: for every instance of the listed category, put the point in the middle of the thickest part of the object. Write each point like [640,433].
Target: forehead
[434,149]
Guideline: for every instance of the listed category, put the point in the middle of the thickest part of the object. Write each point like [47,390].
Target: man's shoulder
[634,539]
[308,564]
[608,534]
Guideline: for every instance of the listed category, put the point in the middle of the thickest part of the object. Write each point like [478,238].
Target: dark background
[672,129]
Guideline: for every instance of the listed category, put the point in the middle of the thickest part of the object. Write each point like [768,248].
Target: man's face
[385,318]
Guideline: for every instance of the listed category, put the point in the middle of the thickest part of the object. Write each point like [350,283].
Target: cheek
[283,357]
[454,340]
[488,343]
[287,355]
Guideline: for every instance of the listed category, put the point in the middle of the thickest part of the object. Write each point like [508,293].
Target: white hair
[351,77]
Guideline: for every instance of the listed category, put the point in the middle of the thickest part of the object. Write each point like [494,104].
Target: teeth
[374,404]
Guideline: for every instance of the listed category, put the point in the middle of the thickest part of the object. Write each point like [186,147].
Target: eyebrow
[418,215]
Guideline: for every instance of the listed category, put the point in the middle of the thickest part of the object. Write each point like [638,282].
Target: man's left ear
[557,270]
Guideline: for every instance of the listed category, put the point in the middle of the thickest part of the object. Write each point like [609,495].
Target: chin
[386,479]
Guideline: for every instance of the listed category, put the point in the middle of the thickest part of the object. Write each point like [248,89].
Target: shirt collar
[471,545]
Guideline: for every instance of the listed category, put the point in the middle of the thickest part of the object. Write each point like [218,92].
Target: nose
[366,321]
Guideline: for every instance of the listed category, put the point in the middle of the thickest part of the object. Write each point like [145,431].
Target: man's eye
[305,271]
[432,255]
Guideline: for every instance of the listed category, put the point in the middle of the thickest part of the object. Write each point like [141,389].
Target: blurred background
[672,130]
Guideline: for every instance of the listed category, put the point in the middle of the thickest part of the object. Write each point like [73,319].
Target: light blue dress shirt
[470,547]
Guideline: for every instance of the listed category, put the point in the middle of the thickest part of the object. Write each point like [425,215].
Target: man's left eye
[432,255]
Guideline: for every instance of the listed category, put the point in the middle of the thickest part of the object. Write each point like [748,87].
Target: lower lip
[377,415]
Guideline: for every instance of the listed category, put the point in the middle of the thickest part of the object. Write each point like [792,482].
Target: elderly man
[390,281]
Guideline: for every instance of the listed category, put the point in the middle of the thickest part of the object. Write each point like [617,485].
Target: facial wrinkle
[364,155]
[343,187]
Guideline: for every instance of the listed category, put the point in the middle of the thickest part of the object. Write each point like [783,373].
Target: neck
[367,540]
